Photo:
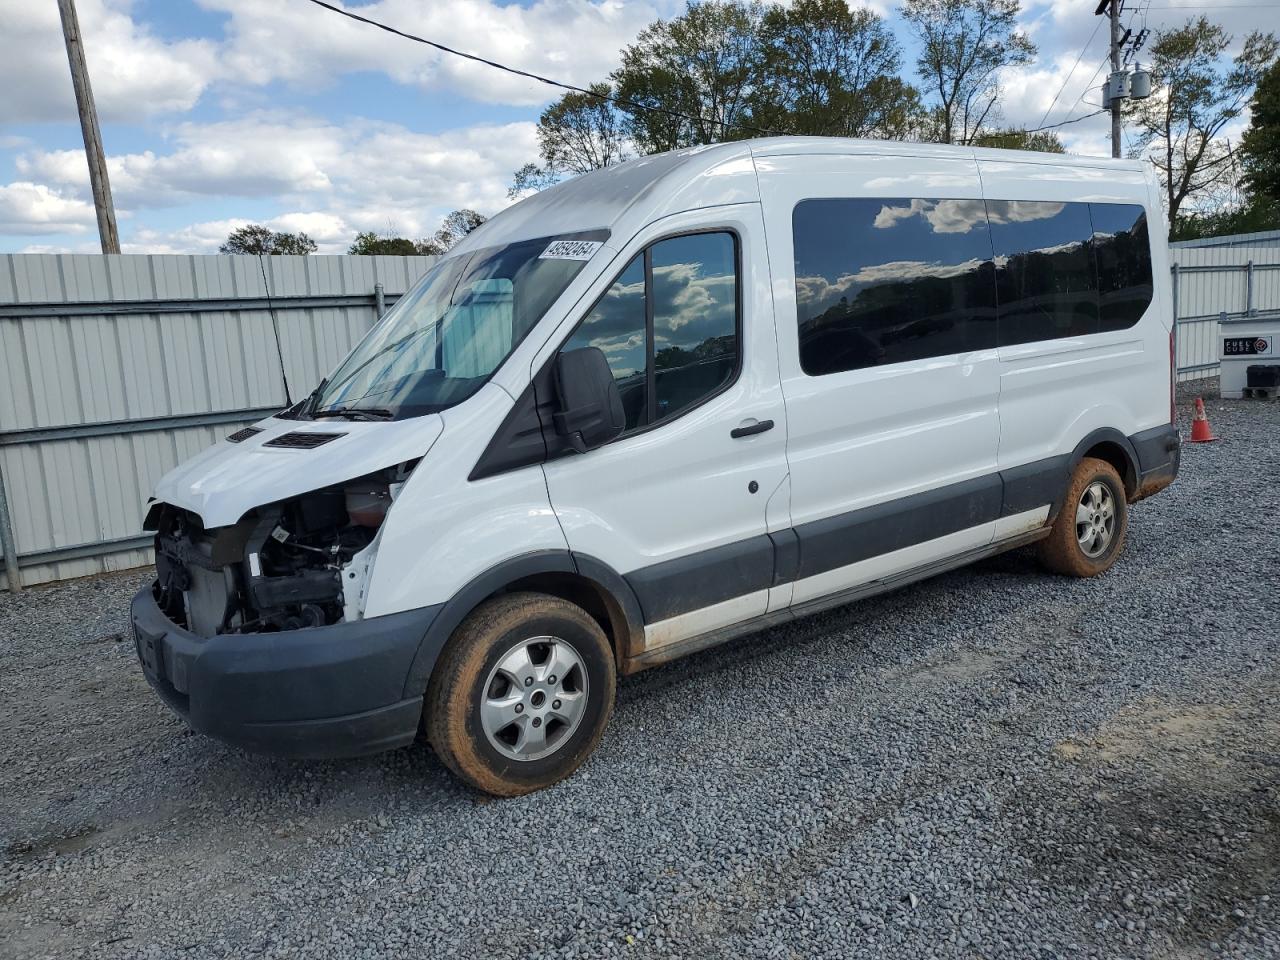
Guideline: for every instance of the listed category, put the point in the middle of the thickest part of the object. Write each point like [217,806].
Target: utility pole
[1116,102]
[89,128]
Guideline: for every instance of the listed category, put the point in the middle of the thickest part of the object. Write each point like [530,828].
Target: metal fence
[113,369]
[1216,284]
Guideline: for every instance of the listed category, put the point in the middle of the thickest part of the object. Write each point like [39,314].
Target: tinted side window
[616,324]
[695,319]
[1046,285]
[886,281]
[1122,249]
[669,326]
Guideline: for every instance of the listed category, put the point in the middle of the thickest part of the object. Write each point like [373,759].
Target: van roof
[649,187]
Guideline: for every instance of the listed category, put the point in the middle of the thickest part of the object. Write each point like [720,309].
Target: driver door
[680,504]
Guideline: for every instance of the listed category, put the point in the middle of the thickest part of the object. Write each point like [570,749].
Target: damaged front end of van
[253,630]
[256,629]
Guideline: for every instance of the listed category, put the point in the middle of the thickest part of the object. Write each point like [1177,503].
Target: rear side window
[669,326]
[890,280]
[1046,284]
[1122,249]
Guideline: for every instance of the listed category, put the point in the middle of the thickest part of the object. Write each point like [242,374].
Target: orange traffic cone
[1200,432]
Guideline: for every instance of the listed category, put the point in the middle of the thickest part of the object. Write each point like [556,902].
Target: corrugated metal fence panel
[1211,281]
[132,364]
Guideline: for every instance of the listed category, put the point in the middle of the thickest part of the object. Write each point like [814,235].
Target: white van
[653,409]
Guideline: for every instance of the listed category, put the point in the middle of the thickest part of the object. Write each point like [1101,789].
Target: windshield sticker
[571,250]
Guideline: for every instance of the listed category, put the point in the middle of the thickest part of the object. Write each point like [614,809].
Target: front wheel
[521,694]
[1088,534]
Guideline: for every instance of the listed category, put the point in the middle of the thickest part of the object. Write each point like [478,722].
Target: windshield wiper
[355,413]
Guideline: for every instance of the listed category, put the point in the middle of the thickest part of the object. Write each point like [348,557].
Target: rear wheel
[1089,532]
[521,694]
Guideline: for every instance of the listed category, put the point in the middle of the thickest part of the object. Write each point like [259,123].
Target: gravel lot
[996,763]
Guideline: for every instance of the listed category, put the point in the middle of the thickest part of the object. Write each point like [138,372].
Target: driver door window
[669,326]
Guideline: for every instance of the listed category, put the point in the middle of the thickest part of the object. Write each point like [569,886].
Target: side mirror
[588,406]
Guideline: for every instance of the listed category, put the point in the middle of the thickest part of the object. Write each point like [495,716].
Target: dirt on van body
[994,763]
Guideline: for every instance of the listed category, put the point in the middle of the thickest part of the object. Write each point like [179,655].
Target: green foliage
[455,226]
[578,133]
[1253,217]
[258,240]
[1260,147]
[1181,127]
[1042,141]
[369,244]
[705,64]
[831,71]
[963,45]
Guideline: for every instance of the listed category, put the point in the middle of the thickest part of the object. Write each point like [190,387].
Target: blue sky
[220,112]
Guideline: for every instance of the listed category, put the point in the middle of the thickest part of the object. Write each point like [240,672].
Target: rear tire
[521,693]
[1089,532]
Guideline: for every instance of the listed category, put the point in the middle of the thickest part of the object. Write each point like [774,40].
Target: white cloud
[333,180]
[574,41]
[134,74]
[33,208]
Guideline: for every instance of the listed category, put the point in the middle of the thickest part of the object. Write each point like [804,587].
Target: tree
[1251,217]
[1044,141]
[578,133]
[964,44]
[1201,93]
[1260,146]
[369,244]
[832,71]
[258,240]
[456,226]
[705,64]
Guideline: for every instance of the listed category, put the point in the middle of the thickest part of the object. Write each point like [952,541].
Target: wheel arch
[577,578]
[1111,446]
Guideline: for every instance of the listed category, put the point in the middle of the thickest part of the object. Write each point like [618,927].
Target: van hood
[226,481]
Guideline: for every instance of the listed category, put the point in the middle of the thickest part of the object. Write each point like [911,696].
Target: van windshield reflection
[444,339]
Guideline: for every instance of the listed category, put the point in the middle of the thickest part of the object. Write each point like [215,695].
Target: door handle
[751,429]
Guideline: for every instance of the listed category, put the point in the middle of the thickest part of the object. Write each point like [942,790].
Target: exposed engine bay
[299,563]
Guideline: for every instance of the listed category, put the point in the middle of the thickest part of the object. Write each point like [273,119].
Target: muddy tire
[1089,532]
[521,694]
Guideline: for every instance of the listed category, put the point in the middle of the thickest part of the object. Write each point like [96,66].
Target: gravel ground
[996,763]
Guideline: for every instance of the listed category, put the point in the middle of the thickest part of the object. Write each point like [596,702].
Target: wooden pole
[89,128]
[1116,102]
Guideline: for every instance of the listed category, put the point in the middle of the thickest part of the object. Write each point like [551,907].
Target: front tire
[1088,534]
[521,694]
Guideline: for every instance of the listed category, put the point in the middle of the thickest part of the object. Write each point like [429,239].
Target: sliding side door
[885,302]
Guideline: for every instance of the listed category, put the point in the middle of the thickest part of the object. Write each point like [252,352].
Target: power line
[1089,86]
[1063,123]
[1072,71]
[616,101]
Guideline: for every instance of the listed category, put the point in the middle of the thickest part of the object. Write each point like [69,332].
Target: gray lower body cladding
[688,583]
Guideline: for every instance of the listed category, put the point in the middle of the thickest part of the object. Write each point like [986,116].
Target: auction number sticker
[571,250]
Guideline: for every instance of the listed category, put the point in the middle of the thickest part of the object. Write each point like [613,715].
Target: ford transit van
[656,408]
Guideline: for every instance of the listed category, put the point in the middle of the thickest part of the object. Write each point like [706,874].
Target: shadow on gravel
[1173,809]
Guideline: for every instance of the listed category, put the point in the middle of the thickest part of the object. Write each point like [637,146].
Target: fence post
[379,299]
[12,575]
[1248,289]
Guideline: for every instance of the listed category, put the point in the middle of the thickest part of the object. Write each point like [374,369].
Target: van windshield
[443,340]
